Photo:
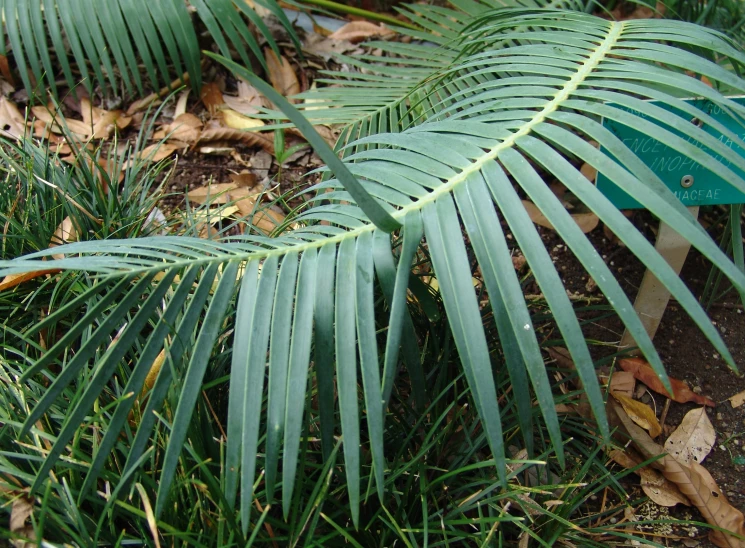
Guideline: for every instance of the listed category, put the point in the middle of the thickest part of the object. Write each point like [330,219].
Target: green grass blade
[110,323]
[155,343]
[173,361]
[104,369]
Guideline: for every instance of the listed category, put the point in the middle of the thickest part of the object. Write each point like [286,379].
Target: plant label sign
[692,184]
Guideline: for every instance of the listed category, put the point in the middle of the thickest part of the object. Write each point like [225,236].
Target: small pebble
[697,389]
[719,416]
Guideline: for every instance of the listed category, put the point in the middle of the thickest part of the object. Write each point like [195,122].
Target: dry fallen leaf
[65,233]
[586,221]
[22,509]
[357,31]
[56,123]
[737,400]
[218,193]
[12,123]
[13,280]
[236,120]
[243,199]
[562,356]
[640,413]
[327,48]
[212,97]
[653,483]
[100,123]
[328,134]
[644,373]
[694,482]
[693,439]
[250,138]
[185,128]
[281,74]
[5,70]
[622,382]
[159,151]
[248,102]
[661,490]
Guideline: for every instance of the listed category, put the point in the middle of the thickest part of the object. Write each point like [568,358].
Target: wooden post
[652,299]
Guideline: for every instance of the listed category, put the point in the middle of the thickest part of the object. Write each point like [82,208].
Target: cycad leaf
[192,381]
[158,34]
[514,106]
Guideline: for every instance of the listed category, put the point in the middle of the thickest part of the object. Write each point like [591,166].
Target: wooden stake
[653,296]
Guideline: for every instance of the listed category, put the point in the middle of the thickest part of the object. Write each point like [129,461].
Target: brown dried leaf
[12,123]
[661,490]
[694,482]
[212,97]
[22,509]
[588,171]
[65,233]
[622,382]
[57,124]
[5,70]
[357,31]
[249,100]
[586,221]
[281,74]
[327,48]
[183,100]
[693,439]
[265,219]
[159,151]
[653,483]
[562,356]
[185,127]
[328,134]
[250,138]
[644,372]
[218,193]
[13,280]
[243,179]
[233,119]
[737,400]
[640,413]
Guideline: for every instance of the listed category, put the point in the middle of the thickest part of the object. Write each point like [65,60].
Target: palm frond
[108,41]
[466,165]
[394,91]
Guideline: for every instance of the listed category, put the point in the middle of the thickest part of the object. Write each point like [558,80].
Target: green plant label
[691,183]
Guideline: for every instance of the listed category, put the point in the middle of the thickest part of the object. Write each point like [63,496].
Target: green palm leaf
[395,91]
[110,39]
[536,104]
